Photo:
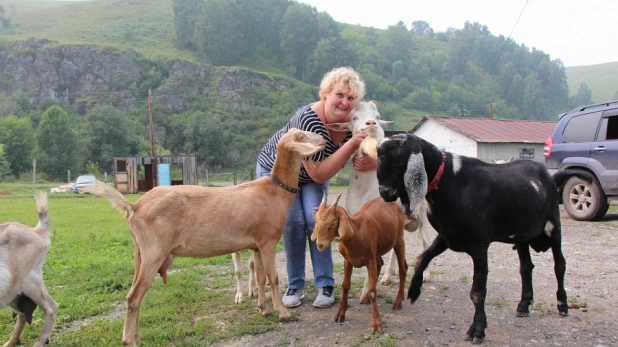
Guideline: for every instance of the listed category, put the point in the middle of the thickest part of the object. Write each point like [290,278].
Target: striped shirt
[304,119]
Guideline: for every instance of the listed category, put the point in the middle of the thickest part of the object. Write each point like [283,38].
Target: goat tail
[44,224]
[116,198]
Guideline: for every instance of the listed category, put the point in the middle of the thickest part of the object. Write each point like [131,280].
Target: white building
[486,138]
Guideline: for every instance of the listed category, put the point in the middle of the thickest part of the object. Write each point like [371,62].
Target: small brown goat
[22,255]
[363,239]
[202,222]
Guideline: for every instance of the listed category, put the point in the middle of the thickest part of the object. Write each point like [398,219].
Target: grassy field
[89,270]
[602,79]
[144,25]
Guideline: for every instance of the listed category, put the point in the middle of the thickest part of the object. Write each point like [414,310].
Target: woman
[340,89]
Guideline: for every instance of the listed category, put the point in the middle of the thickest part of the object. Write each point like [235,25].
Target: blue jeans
[298,229]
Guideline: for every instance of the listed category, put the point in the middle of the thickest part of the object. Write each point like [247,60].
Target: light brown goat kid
[202,222]
[363,239]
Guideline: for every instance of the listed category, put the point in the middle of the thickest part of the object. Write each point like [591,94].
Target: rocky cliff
[82,76]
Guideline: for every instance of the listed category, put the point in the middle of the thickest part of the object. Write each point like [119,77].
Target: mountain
[602,79]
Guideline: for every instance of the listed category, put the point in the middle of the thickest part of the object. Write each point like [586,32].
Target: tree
[298,37]
[186,14]
[5,166]
[220,36]
[56,143]
[584,95]
[422,28]
[109,134]
[395,45]
[18,139]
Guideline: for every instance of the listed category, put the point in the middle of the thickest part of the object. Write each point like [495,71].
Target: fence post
[206,177]
[33,174]
[69,176]
[234,175]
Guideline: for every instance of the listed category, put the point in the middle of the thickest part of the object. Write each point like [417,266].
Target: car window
[85,179]
[609,127]
[582,128]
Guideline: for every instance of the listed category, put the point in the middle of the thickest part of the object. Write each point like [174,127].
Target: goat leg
[400,252]
[372,271]
[15,338]
[345,285]
[252,285]
[422,261]
[525,270]
[476,332]
[237,258]
[260,275]
[559,269]
[388,272]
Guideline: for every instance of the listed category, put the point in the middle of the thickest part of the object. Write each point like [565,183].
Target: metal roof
[495,130]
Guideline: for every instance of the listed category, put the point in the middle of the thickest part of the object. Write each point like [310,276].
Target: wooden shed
[140,174]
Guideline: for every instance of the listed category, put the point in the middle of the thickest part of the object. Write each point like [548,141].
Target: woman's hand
[365,163]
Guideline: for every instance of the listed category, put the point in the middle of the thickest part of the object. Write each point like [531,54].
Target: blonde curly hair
[346,75]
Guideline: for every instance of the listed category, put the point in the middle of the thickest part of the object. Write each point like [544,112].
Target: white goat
[364,184]
[22,255]
[202,222]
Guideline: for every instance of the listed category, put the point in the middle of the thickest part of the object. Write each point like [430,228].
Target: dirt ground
[444,311]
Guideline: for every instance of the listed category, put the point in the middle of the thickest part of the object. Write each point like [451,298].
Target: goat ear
[510,159]
[492,160]
[306,149]
[415,180]
[345,228]
[384,123]
[340,126]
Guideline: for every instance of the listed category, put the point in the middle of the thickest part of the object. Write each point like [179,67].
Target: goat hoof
[285,316]
[385,281]
[426,276]
[365,300]
[522,314]
[238,299]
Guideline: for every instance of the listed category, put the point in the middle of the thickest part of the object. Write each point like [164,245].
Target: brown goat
[363,239]
[202,222]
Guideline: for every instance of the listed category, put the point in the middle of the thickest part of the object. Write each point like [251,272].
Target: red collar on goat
[433,185]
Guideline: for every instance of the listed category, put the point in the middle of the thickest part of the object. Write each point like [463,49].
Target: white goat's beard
[369,146]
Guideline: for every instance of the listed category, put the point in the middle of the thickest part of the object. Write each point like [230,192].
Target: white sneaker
[325,298]
[293,297]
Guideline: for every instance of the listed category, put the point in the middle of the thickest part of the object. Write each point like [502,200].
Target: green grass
[89,270]
[601,79]
[144,25]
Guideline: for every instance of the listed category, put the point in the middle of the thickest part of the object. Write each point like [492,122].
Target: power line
[508,38]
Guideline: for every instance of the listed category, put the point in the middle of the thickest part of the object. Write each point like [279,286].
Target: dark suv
[586,139]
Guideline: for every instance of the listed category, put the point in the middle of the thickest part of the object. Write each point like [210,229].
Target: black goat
[472,204]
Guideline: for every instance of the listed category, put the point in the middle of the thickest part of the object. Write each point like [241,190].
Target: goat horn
[336,201]
[323,198]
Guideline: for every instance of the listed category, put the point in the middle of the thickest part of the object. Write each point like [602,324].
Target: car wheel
[584,200]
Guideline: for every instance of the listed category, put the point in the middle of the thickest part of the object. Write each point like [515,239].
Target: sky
[578,32]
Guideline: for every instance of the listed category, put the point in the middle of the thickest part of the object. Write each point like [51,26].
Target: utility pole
[462,110]
[491,108]
[150,124]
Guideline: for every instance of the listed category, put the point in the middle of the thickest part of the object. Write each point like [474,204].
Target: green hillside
[144,25]
[602,79]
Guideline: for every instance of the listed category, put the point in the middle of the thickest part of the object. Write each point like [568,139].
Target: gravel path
[444,311]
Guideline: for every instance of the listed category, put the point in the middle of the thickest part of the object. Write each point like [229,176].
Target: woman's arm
[322,171]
